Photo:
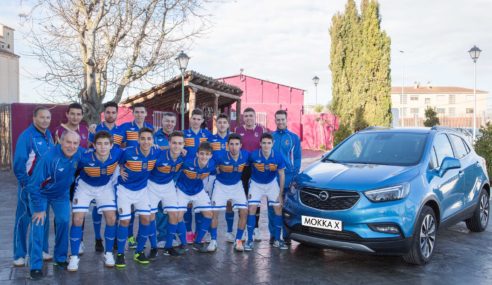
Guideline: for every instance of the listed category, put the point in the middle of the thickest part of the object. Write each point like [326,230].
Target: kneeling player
[228,187]
[97,167]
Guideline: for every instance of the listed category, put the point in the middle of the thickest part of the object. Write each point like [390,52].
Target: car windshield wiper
[330,160]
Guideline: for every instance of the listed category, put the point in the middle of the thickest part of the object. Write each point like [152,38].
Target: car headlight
[388,194]
[294,187]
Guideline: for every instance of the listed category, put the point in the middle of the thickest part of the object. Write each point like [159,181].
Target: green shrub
[483,145]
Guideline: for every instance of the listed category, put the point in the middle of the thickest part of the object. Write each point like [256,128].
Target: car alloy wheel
[484,210]
[427,236]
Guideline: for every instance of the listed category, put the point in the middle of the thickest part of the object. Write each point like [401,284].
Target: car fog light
[385,228]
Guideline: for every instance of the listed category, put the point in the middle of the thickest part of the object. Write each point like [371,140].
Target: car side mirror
[447,164]
[325,154]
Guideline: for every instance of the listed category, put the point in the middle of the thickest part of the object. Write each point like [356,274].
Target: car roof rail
[375,128]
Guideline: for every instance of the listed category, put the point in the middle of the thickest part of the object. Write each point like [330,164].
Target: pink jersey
[250,137]
[83,131]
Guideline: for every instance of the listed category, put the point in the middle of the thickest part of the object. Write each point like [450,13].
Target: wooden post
[192,101]
[216,113]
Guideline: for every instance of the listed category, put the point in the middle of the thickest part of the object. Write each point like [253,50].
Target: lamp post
[474,54]
[316,81]
[182,60]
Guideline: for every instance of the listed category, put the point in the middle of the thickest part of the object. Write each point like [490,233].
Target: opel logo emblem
[323,195]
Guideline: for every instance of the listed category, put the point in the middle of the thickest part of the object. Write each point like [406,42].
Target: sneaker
[230,237]
[176,242]
[19,262]
[109,259]
[161,244]
[256,235]
[249,245]
[287,241]
[173,251]
[132,242]
[140,257]
[153,253]
[238,245]
[61,264]
[190,237]
[47,256]
[207,237]
[81,248]
[183,248]
[120,260]
[200,247]
[99,245]
[73,265]
[36,274]
[272,240]
[280,244]
[212,246]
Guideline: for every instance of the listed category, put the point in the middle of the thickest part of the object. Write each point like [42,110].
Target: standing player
[136,164]
[74,114]
[288,145]
[49,186]
[251,134]
[266,164]
[94,182]
[228,189]
[31,145]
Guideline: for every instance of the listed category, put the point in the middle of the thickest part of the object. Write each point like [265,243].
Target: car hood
[357,177]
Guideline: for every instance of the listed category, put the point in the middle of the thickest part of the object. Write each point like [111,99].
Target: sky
[287,41]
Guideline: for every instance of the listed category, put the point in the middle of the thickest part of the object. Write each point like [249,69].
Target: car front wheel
[424,238]
[480,219]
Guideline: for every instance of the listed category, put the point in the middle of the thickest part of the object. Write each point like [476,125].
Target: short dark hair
[223,116]
[249,109]
[39,108]
[75,106]
[176,134]
[138,105]
[169,114]
[205,146]
[197,112]
[281,112]
[110,104]
[266,136]
[145,130]
[234,136]
[103,135]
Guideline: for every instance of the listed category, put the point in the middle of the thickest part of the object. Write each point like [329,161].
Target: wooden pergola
[206,93]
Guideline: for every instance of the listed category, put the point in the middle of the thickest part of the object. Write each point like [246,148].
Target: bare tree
[91,48]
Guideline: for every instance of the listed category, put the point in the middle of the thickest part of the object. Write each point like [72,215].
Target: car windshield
[380,148]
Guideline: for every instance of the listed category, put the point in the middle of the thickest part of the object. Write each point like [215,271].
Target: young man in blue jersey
[288,145]
[94,183]
[31,145]
[267,165]
[49,186]
[161,189]
[228,189]
[191,191]
[136,164]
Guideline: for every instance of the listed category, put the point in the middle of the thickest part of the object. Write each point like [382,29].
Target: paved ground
[461,257]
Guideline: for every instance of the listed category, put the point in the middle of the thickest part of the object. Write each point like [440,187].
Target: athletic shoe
[190,237]
[280,244]
[120,260]
[287,241]
[230,237]
[132,242]
[99,245]
[153,253]
[47,256]
[61,264]
[36,274]
[161,244]
[207,237]
[81,248]
[73,265]
[256,235]
[212,246]
[272,240]
[238,245]
[109,259]
[249,245]
[200,247]
[140,257]
[20,262]
[176,242]
[173,252]
[183,248]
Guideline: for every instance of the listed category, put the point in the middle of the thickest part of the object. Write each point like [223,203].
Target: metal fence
[5,137]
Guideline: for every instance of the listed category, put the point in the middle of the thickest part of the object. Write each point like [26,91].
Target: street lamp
[474,54]
[316,81]
[182,61]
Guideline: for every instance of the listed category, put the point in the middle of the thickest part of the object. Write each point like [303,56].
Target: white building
[9,67]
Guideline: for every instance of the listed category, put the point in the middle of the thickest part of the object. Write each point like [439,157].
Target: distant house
[9,67]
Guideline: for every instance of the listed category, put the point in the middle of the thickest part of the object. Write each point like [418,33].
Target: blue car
[387,191]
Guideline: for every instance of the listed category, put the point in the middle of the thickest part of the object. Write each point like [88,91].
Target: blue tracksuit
[288,145]
[50,186]
[31,145]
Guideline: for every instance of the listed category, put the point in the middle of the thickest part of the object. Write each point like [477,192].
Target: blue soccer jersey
[191,176]
[130,132]
[95,172]
[116,132]
[166,168]
[219,145]
[264,169]
[193,140]
[231,170]
[138,167]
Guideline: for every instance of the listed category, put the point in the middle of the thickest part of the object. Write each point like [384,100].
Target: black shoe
[272,239]
[200,247]
[120,261]
[140,257]
[36,274]
[173,252]
[61,264]
[287,241]
[99,245]
[153,253]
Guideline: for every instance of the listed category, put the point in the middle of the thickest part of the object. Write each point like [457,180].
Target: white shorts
[85,194]
[125,198]
[200,201]
[165,193]
[223,193]
[270,190]
[208,184]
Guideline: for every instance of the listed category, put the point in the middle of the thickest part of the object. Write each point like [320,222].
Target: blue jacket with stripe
[288,145]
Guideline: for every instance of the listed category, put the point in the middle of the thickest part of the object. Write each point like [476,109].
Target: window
[443,148]
[441,110]
[414,98]
[433,159]
[469,110]
[452,99]
[452,111]
[403,99]
[414,110]
[427,100]
[459,147]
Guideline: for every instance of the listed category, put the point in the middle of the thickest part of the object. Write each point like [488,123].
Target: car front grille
[328,199]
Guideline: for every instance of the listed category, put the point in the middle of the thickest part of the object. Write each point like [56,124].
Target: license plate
[320,223]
